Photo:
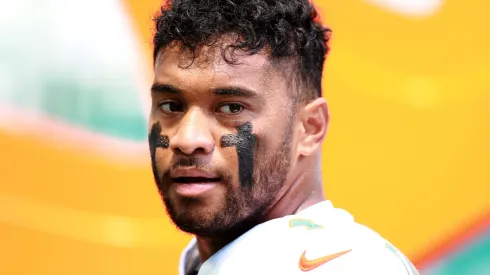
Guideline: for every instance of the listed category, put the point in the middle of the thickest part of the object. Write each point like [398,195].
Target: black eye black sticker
[244,143]
[156,140]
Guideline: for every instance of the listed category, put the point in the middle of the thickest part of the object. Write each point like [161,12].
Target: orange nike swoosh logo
[307,265]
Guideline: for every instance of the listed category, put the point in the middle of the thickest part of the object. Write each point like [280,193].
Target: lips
[191,182]
[195,180]
[193,175]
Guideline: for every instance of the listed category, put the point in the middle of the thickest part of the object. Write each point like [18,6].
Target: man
[237,122]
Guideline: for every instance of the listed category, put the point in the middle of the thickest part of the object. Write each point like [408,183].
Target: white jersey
[318,240]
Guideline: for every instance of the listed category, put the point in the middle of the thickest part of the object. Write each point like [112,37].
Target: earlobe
[315,118]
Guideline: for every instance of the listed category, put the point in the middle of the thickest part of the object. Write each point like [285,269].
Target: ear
[314,122]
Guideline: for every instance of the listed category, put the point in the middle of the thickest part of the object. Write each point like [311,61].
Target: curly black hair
[289,29]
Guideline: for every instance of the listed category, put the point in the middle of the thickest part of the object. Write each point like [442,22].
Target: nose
[193,135]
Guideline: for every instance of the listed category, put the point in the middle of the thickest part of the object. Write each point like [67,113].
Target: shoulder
[340,245]
[320,240]
[328,240]
[352,255]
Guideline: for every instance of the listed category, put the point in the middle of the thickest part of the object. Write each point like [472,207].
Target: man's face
[221,138]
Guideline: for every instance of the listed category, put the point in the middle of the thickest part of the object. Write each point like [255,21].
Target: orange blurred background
[407,151]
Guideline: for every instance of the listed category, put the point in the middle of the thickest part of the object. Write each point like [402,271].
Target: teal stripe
[473,259]
[105,108]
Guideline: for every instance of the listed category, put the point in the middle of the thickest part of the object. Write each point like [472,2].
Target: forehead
[209,69]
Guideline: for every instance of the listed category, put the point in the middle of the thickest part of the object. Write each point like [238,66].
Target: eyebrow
[223,91]
[235,91]
[164,88]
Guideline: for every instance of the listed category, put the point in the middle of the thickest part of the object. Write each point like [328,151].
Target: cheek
[162,160]
[266,146]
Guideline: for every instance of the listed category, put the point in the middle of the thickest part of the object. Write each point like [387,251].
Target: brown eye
[171,107]
[230,108]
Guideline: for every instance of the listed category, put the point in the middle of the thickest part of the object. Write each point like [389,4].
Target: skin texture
[210,126]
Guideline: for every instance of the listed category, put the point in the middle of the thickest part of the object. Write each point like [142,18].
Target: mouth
[192,182]
[194,186]
[195,180]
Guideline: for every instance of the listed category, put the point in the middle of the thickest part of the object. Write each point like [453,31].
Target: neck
[209,245]
[302,193]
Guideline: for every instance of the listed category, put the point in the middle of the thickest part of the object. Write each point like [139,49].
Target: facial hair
[242,207]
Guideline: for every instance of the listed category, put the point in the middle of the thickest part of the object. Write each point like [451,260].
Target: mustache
[184,161]
[194,162]
[187,161]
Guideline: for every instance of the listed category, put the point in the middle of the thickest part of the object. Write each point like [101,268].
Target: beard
[241,207]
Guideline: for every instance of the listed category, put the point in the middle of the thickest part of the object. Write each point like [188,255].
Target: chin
[197,224]
[194,215]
